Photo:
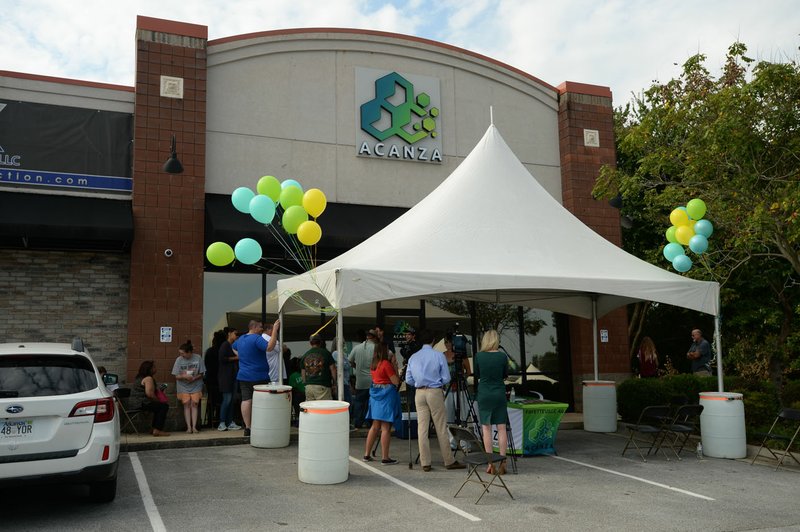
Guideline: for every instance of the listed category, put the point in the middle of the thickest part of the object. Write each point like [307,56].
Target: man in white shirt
[274,352]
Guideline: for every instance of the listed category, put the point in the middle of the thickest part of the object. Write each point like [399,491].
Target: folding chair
[647,430]
[677,432]
[788,418]
[475,458]
[122,395]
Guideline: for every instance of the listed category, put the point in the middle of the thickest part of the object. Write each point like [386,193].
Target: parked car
[58,421]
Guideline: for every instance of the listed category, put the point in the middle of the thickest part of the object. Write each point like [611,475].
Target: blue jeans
[226,409]
[360,405]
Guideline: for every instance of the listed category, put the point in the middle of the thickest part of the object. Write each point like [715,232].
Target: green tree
[734,141]
[493,316]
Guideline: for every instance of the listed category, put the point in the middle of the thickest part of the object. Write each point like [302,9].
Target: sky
[622,44]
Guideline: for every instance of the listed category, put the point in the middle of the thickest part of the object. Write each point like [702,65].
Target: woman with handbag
[146,395]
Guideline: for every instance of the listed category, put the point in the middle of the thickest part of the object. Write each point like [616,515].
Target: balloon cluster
[288,202]
[688,229]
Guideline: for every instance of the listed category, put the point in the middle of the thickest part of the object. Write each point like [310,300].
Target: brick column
[168,210]
[586,142]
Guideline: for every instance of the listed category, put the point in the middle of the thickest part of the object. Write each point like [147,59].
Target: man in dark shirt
[318,370]
[700,354]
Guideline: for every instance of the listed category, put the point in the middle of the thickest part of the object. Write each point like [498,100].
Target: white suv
[58,421]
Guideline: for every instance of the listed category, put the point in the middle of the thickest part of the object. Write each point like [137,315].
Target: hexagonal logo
[399,115]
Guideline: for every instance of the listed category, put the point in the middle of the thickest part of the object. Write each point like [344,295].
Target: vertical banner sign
[398,116]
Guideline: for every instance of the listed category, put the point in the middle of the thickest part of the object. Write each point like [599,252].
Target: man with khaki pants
[427,371]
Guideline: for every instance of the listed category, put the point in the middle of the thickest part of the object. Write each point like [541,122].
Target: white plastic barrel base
[323,444]
[599,406]
[271,416]
[722,425]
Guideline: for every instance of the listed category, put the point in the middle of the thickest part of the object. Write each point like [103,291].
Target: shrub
[760,409]
[791,393]
[633,395]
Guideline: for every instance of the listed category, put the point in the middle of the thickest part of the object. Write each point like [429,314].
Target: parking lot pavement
[588,486]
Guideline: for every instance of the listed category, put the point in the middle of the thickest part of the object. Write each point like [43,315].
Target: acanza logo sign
[399,116]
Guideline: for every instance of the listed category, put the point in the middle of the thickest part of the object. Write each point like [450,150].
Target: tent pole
[340,355]
[523,361]
[718,345]
[263,297]
[594,334]
[280,346]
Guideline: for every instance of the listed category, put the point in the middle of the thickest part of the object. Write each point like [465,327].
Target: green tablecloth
[534,425]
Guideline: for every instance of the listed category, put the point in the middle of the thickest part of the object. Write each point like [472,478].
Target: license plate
[16,428]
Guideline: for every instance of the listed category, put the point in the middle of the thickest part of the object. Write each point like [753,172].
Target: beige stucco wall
[284,104]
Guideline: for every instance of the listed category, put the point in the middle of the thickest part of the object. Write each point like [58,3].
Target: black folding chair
[475,458]
[788,419]
[122,396]
[647,430]
[677,432]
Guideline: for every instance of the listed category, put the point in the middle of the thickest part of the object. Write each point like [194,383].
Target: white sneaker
[234,426]
[222,427]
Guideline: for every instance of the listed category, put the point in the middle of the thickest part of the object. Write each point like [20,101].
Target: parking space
[588,486]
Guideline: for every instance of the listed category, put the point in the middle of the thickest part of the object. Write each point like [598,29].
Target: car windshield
[41,375]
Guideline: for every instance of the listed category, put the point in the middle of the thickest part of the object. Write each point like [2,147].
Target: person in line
[646,360]
[189,370]
[384,403]
[318,370]
[211,360]
[251,348]
[427,372]
[700,354]
[298,388]
[144,397]
[226,380]
[361,359]
[491,370]
[347,370]
[276,373]
[456,400]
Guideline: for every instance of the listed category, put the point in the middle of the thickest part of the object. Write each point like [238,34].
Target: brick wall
[586,142]
[168,210]
[53,296]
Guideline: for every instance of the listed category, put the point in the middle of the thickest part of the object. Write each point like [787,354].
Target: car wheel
[104,491]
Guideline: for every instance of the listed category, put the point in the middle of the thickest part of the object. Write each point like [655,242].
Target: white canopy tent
[490,232]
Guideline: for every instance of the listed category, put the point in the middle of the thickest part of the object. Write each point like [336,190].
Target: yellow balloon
[678,217]
[314,202]
[309,233]
[684,233]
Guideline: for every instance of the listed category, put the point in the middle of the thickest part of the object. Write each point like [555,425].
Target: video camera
[459,342]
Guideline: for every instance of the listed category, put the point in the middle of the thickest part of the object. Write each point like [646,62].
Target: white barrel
[599,406]
[722,425]
[271,416]
[323,444]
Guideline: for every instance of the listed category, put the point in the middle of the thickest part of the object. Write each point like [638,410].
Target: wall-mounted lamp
[173,165]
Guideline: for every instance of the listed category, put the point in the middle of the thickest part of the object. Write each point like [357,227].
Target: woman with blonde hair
[647,358]
[491,370]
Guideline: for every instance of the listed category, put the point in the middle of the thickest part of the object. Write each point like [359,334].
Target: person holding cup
[189,370]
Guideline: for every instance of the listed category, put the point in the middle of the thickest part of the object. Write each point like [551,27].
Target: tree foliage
[734,141]
[493,316]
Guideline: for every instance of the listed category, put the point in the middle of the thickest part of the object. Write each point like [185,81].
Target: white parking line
[417,491]
[679,490]
[147,498]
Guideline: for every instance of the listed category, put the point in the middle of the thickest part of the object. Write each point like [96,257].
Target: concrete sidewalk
[211,437]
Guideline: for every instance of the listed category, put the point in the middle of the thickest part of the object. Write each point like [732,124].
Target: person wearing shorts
[253,365]
[189,370]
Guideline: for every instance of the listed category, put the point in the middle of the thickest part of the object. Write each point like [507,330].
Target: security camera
[168,253]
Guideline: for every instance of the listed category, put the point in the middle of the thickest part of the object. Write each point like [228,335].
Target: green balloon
[219,254]
[293,217]
[671,234]
[269,186]
[696,208]
[291,196]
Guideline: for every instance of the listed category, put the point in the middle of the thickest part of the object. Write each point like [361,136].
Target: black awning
[343,225]
[54,222]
